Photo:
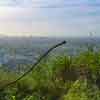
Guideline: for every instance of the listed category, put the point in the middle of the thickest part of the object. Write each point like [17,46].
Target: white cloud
[15,17]
[23,3]
[17,13]
[15,20]
[46,17]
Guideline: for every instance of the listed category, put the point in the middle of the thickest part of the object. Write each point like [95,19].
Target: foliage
[56,78]
[82,90]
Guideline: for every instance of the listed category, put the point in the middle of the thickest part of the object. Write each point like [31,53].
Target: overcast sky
[49,17]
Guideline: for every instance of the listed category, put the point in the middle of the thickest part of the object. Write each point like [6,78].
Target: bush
[60,78]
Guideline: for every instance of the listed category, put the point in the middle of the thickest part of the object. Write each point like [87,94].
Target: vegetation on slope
[58,78]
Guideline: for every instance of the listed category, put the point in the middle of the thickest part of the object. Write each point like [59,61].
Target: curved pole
[34,65]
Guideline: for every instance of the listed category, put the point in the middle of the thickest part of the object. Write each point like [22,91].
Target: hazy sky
[49,17]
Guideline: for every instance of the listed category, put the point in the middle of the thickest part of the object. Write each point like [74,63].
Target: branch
[34,65]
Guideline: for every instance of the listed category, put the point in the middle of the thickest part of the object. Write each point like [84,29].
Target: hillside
[60,77]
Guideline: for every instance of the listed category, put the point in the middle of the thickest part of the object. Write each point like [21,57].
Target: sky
[49,17]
